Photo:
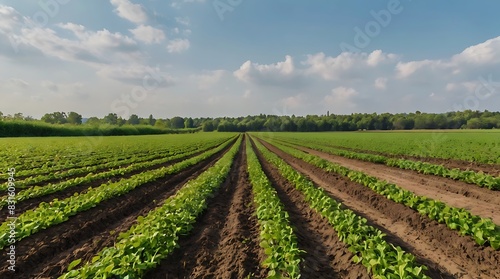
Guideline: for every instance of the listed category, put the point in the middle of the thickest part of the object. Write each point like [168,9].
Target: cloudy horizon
[212,58]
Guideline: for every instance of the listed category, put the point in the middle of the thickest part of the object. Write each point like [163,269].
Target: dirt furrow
[492,169]
[47,253]
[445,252]
[82,188]
[479,201]
[326,256]
[225,241]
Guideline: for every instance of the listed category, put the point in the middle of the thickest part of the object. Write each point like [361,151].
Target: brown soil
[445,252]
[82,188]
[492,169]
[326,256]
[47,253]
[58,180]
[225,241]
[479,201]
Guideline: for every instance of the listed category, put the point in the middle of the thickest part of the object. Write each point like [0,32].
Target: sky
[215,58]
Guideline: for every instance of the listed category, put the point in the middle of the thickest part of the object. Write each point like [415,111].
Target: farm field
[254,205]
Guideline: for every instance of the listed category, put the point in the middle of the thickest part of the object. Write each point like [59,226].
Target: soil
[47,253]
[445,252]
[479,201]
[225,241]
[82,188]
[325,255]
[492,169]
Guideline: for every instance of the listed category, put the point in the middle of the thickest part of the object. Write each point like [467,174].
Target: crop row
[483,230]
[156,235]
[480,179]
[277,237]
[381,259]
[471,145]
[73,162]
[38,191]
[89,170]
[58,211]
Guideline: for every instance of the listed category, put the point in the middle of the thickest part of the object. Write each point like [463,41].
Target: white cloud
[349,66]
[381,83]
[145,76]
[487,52]
[210,79]
[9,19]
[16,82]
[148,34]
[406,69]
[91,47]
[51,86]
[280,74]
[178,45]
[247,94]
[129,11]
[294,102]
[183,20]
[342,99]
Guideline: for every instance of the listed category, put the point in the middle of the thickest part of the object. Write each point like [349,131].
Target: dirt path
[479,201]
[82,188]
[326,256]
[225,241]
[492,169]
[447,254]
[48,252]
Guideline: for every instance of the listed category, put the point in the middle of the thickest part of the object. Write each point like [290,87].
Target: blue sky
[238,57]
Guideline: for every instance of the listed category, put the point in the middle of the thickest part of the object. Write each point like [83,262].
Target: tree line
[467,119]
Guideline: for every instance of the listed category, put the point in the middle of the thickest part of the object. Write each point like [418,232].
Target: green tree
[160,123]
[74,118]
[151,120]
[93,121]
[133,119]
[111,118]
[188,123]
[177,122]
[207,126]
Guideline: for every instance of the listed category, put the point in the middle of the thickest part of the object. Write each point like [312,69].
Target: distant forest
[72,123]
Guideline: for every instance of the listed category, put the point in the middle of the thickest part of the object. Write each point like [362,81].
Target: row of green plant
[37,191]
[480,146]
[58,211]
[277,237]
[480,179]
[482,230]
[147,161]
[382,259]
[48,156]
[156,235]
[41,129]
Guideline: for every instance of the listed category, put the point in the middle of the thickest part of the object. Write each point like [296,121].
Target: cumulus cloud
[9,19]
[348,65]
[281,73]
[130,11]
[138,74]
[210,79]
[178,45]
[487,52]
[148,34]
[91,47]
[294,102]
[342,99]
